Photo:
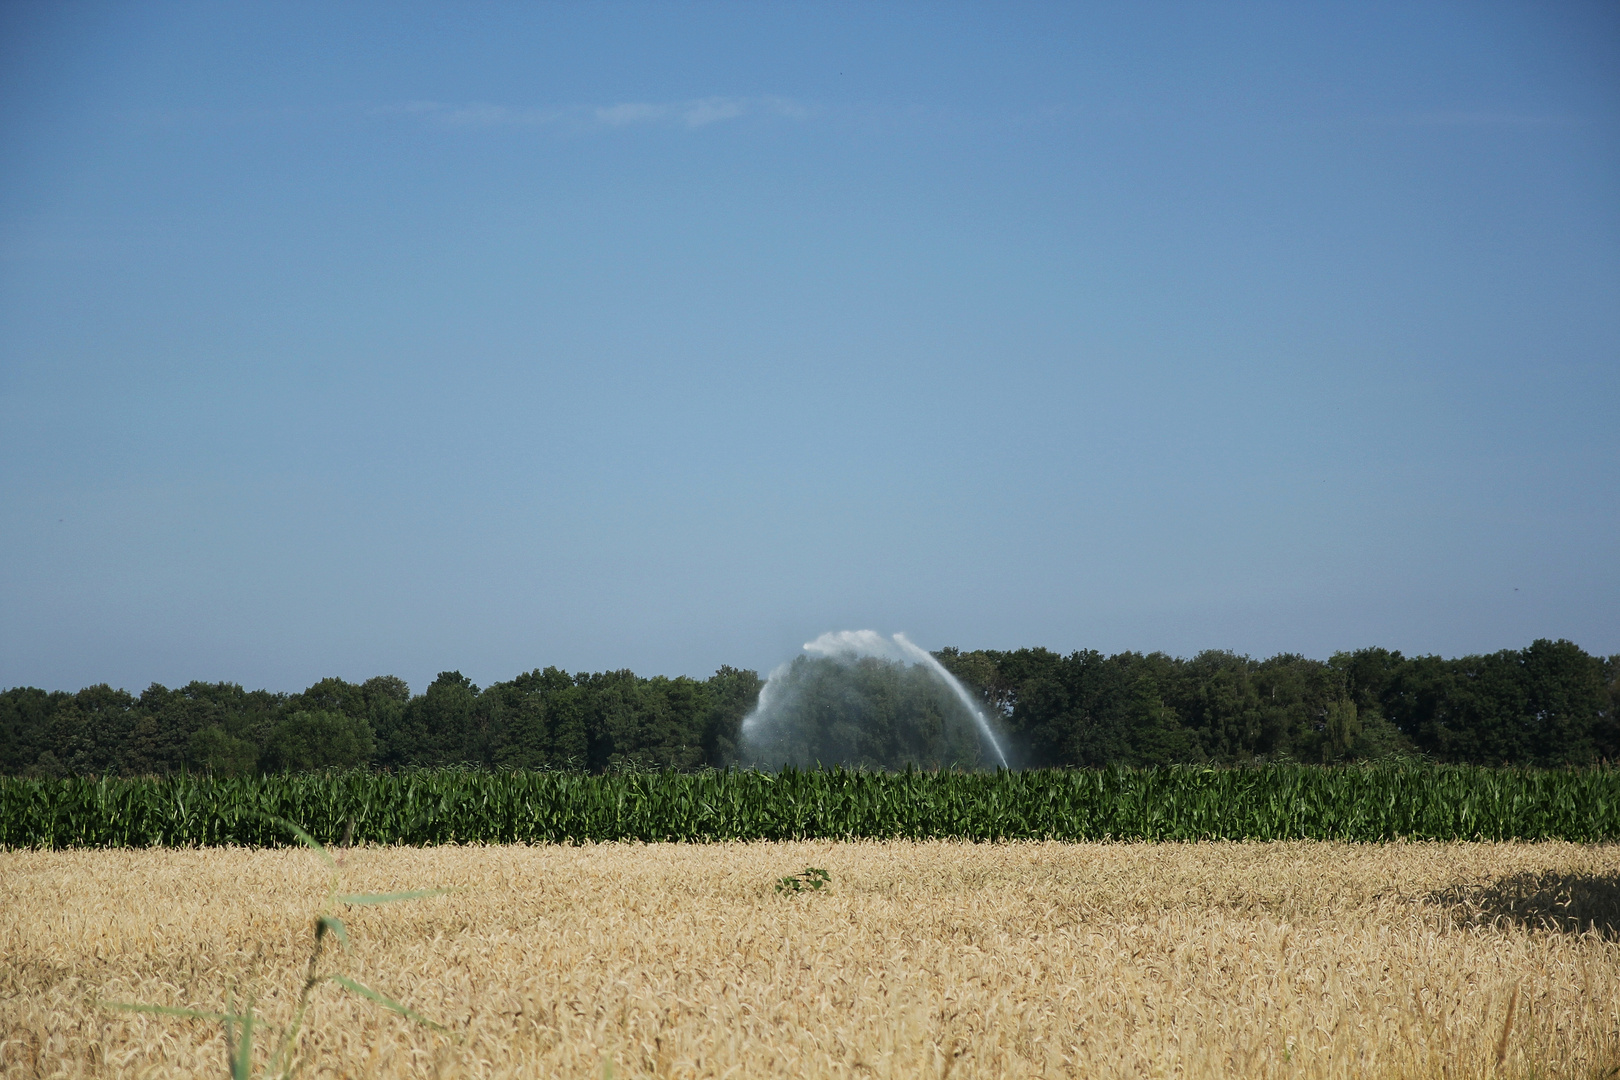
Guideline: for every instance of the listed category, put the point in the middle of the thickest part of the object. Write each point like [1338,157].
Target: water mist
[858,699]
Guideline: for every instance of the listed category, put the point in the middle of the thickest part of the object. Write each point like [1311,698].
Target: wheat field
[918,960]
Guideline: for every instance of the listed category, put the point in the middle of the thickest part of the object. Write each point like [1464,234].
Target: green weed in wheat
[328,926]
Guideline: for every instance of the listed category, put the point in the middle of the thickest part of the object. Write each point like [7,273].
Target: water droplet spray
[851,646]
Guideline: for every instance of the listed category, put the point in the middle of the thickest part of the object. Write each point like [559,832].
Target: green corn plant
[1270,802]
[240,1026]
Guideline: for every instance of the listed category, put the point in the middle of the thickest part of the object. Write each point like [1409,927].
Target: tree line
[1550,704]
[540,720]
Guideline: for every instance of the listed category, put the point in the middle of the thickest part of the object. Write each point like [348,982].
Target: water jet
[858,699]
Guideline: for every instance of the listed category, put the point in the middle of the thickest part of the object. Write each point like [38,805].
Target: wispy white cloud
[695,113]
[711,111]
[630,112]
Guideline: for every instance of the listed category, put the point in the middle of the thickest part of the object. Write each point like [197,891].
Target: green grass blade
[242,1064]
[164,1010]
[386,1002]
[307,840]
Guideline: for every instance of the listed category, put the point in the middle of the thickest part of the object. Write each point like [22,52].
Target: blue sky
[359,339]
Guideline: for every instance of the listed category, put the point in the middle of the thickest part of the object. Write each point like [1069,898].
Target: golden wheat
[920,959]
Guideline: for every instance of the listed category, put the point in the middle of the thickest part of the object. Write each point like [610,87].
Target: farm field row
[1295,959]
[1276,802]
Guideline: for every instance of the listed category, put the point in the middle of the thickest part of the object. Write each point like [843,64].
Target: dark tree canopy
[1549,704]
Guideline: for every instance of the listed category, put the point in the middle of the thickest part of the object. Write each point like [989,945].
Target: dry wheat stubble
[920,959]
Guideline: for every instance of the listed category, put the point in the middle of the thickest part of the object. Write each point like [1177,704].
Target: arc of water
[926,658]
[871,643]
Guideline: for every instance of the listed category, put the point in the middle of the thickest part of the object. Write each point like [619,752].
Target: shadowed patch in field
[1551,900]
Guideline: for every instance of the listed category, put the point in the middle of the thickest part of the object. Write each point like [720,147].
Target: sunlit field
[918,959]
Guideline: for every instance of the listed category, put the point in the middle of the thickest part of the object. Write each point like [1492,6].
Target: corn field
[1362,804]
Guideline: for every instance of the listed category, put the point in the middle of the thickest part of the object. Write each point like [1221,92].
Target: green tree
[436,728]
[318,740]
[1564,701]
[1155,734]
[567,720]
[25,721]
[163,722]
[386,698]
[733,693]
[89,734]
[215,751]
[1606,732]
[522,740]
[673,715]
[1219,700]
[1036,696]
[542,722]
